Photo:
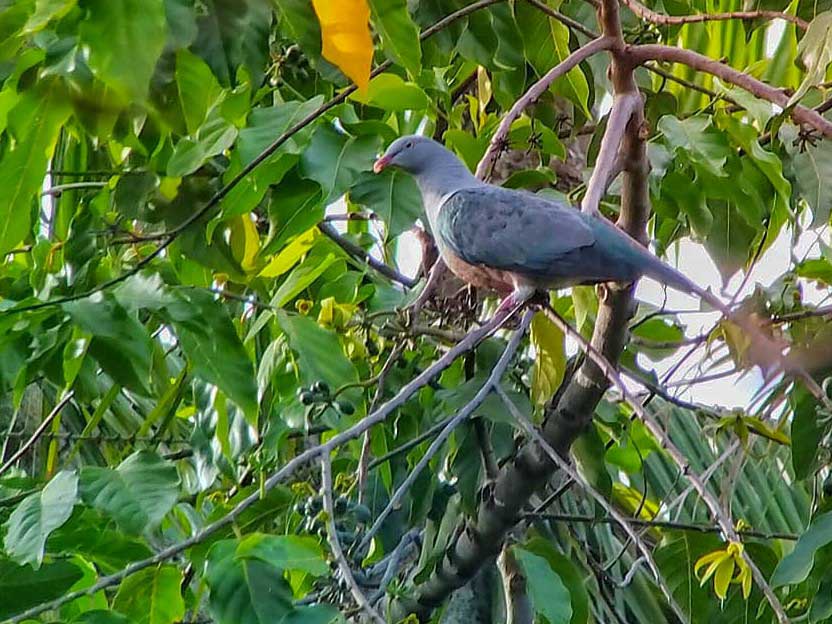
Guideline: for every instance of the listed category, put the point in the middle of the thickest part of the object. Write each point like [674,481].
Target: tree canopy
[229,397]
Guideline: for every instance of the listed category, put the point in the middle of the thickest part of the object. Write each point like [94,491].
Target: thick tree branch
[654,52]
[531,96]
[673,20]
[605,171]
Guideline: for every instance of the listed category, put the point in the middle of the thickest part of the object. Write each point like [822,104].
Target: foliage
[164,167]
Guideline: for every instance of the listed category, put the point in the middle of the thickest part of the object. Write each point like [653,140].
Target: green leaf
[319,351]
[812,169]
[23,587]
[46,11]
[296,206]
[335,160]
[212,138]
[100,616]
[817,269]
[569,574]
[198,88]
[137,494]
[35,122]
[266,124]
[213,348]
[125,39]
[399,35]
[550,359]
[795,567]
[392,93]
[287,552]
[151,596]
[393,196]
[302,277]
[299,22]
[691,136]
[245,590]
[815,51]
[547,44]
[37,516]
[549,595]
[690,201]
[120,344]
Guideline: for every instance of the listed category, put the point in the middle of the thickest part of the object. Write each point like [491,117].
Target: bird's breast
[478,275]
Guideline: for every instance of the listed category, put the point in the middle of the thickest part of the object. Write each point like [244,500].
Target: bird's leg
[520,295]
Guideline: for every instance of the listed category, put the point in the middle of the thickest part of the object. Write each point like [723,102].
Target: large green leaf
[266,124]
[151,596]
[287,552]
[214,137]
[393,196]
[35,123]
[120,344]
[335,160]
[246,590]
[214,349]
[198,88]
[796,566]
[812,169]
[37,516]
[399,34]
[568,573]
[549,595]
[137,494]
[815,50]
[125,39]
[693,137]
[550,359]
[23,586]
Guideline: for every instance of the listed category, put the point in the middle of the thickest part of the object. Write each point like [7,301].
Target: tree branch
[531,96]
[358,252]
[518,606]
[335,543]
[672,20]
[468,409]
[605,170]
[655,52]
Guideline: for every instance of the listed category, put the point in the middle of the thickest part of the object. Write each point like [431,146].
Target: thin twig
[358,252]
[563,19]
[674,20]
[659,524]
[60,188]
[531,96]
[335,543]
[453,423]
[713,504]
[38,432]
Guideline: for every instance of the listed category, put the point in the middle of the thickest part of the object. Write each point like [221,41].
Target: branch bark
[673,20]
[802,115]
[518,605]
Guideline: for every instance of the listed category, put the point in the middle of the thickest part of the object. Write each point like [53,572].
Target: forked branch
[648,14]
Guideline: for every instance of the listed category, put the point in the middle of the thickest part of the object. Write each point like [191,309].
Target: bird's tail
[666,274]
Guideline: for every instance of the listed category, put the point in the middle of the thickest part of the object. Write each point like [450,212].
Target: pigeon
[516,242]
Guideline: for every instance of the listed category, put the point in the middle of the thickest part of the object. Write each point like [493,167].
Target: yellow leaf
[714,557]
[245,241]
[722,578]
[550,363]
[345,37]
[290,254]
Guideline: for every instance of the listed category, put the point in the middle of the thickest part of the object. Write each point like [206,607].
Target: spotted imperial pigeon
[516,242]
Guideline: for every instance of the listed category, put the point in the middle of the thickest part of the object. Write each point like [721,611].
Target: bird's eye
[409,144]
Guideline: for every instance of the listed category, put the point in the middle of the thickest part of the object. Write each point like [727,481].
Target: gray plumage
[532,241]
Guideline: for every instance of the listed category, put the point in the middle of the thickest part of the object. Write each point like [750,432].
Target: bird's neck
[440,180]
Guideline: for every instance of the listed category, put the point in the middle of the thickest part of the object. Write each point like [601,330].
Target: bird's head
[412,153]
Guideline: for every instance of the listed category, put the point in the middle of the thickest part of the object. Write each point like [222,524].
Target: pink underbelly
[478,275]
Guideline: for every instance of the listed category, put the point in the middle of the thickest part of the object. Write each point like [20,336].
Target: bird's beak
[381,163]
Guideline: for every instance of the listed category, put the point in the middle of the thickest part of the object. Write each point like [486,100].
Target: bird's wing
[511,230]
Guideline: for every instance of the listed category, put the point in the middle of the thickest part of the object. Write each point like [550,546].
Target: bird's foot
[518,297]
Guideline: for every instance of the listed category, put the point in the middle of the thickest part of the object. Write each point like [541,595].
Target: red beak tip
[379,165]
